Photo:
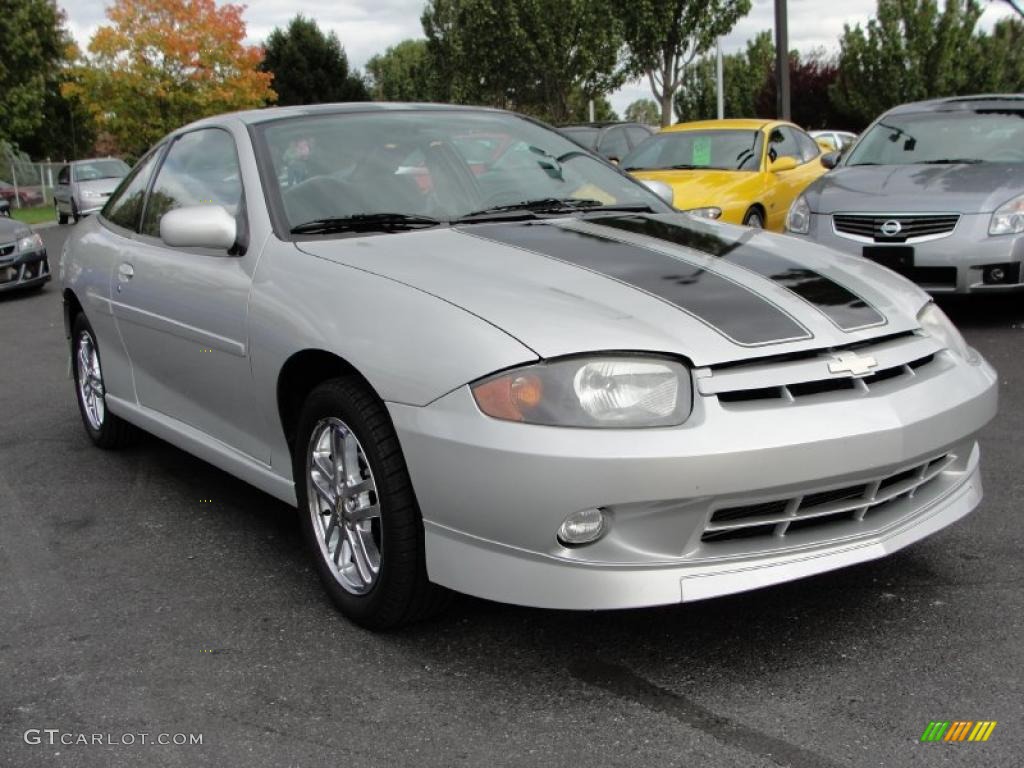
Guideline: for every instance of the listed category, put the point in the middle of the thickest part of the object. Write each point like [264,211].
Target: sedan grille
[7,250]
[897,228]
[849,504]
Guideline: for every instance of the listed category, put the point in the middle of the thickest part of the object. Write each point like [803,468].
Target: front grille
[912,227]
[850,505]
[7,250]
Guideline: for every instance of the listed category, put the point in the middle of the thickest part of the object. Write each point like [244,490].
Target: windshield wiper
[365,222]
[952,161]
[549,205]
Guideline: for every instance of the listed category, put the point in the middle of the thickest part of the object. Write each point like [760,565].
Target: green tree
[579,108]
[403,73]
[744,73]
[644,111]
[663,37]
[997,65]
[310,67]
[911,50]
[33,46]
[530,55]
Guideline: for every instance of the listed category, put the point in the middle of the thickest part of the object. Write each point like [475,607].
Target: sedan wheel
[343,506]
[104,428]
[359,512]
[754,219]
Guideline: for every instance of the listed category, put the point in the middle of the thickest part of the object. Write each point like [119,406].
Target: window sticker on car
[701,154]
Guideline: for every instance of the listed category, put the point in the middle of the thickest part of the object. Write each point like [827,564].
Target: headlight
[709,212]
[798,220]
[1008,218]
[92,194]
[935,323]
[30,243]
[624,392]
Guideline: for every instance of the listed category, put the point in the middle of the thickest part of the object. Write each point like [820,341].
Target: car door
[182,311]
[62,190]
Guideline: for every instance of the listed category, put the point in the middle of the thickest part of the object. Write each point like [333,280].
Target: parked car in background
[612,141]
[537,383]
[833,141]
[84,186]
[933,190]
[24,197]
[23,262]
[740,171]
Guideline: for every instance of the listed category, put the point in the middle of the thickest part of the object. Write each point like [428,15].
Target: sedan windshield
[93,170]
[939,138]
[725,150]
[408,169]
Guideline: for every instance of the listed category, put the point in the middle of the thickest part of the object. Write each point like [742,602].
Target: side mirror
[830,160]
[661,189]
[199,226]
[784,163]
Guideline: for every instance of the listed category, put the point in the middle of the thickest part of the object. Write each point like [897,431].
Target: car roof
[735,123]
[604,124]
[255,116]
[92,160]
[952,103]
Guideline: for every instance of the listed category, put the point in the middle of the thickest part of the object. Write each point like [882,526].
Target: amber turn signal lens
[507,396]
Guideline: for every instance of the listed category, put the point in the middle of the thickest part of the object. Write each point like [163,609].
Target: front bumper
[25,270]
[954,263]
[493,493]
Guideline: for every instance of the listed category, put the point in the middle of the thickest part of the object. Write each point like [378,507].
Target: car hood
[697,189]
[664,283]
[966,189]
[11,230]
[101,186]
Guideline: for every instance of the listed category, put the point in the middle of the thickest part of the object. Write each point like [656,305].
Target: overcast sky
[366,27]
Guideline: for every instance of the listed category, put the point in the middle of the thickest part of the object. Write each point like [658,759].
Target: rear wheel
[104,428]
[359,513]
[74,212]
[754,218]
[62,218]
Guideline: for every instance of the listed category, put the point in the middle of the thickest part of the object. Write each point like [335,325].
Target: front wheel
[754,218]
[359,513]
[104,428]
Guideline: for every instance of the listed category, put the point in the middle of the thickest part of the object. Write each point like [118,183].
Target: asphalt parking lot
[147,592]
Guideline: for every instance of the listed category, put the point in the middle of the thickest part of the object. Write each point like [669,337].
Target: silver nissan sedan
[479,358]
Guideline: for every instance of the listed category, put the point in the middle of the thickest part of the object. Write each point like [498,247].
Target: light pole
[781,61]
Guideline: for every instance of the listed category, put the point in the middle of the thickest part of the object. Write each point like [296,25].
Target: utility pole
[782,61]
[718,79]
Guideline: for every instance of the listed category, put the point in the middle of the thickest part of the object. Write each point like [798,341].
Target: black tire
[62,218]
[401,593]
[74,212]
[113,432]
[754,218]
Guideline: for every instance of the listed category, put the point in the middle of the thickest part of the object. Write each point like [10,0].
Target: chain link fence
[26,183]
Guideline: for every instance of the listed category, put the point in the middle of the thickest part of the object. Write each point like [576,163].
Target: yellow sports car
[740,171]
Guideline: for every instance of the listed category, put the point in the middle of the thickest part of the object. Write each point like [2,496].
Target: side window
[614,144]
[201,168]
[636,134]
[809,148]
[64,175]
[782,143]
[125,207]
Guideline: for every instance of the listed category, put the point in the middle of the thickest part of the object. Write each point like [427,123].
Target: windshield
[583,135]
[92,170]
[431,166]
[726,150]
[971,136]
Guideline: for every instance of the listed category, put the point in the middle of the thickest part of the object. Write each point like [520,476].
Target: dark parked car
[23,261]
[27,196]
[611,140]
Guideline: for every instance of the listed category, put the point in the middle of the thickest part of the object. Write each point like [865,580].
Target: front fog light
[583,527]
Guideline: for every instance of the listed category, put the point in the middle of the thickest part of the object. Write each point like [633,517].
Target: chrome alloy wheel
[344,505]
[90,380]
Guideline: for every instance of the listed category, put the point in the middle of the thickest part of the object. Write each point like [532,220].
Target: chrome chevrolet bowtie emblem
[851,362]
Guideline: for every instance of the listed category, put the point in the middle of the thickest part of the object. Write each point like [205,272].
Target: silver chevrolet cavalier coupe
[477,357]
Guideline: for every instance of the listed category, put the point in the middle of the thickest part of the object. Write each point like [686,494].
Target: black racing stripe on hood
[839,304]
[729,308]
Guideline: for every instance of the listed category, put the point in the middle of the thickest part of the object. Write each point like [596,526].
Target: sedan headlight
[708,212]
[613,391]
[30,243]
[1008,218]
[798,220]
[91,194]
[935,323]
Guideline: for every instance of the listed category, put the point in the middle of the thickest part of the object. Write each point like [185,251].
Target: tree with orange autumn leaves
[160,64]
